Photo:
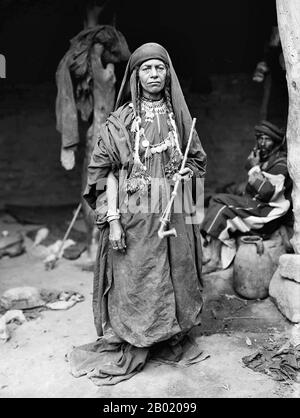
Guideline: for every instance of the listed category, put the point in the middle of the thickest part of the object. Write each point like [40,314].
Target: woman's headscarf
[155,51]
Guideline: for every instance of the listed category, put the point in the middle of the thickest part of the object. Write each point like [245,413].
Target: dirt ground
[32,362]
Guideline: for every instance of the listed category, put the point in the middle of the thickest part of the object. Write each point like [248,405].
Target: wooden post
[92,15]
[103,97]
[288,15]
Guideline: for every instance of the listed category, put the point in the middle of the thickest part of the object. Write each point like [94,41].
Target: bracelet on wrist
[113,217]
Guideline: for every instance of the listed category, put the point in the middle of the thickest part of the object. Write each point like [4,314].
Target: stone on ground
[289,266]
[286,295]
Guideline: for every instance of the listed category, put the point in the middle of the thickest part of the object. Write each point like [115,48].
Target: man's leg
[214,262]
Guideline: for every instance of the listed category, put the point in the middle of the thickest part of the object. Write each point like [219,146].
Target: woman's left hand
[185,174]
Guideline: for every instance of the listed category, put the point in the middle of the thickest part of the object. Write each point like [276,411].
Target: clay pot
[253,268]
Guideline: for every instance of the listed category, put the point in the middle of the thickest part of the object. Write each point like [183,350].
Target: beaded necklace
[153,107]
[140,177]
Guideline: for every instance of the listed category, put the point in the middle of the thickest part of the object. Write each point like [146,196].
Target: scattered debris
[41,235]
[279,360]
[66,301]
[214,313]
[11,244]
[9,316]
[23,297]
[31,298]
[55,252]
[230,297]
[248,341]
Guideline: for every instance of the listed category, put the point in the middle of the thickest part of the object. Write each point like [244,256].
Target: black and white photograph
[149,202]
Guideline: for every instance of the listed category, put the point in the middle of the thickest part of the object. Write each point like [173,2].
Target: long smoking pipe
[165,219]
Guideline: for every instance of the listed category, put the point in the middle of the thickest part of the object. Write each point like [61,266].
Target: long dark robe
[152,292]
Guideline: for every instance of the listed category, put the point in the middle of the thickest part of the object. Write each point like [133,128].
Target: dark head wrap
[268,128]
[144,53]
[147,52]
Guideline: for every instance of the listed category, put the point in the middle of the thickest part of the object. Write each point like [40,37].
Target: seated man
[262,206]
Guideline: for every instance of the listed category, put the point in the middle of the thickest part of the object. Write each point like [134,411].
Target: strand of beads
[151,108]
[156,148]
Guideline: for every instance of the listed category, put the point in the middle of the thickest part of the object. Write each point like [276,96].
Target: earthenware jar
[253,268]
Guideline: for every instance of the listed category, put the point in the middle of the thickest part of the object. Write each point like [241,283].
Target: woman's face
[152,75]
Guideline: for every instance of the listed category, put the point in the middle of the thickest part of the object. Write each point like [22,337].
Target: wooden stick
[70,226]
[51,262]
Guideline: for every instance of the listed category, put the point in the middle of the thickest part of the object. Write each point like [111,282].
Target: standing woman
[146,290]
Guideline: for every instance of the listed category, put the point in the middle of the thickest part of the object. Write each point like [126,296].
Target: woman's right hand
[117,235]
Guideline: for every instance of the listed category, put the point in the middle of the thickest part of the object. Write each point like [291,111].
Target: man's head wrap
[155,51]
[268,128]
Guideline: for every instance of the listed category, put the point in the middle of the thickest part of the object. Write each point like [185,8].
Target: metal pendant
[145,143]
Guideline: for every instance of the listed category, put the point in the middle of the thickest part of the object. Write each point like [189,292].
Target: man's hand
[67,158]
[117,235]
[255,175]
[185,174]
[253,158]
